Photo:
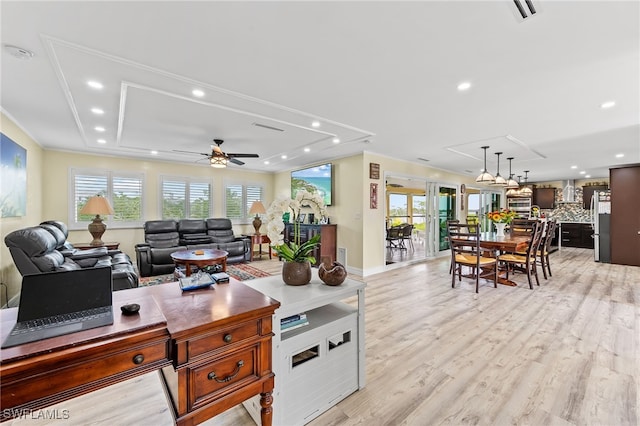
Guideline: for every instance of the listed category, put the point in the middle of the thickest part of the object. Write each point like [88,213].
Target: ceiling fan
[218,158]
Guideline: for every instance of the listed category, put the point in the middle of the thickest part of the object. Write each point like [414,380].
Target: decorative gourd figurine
[332,274]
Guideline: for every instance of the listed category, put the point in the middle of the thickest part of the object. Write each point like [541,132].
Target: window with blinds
[238,200]
[122,189]
[184,197]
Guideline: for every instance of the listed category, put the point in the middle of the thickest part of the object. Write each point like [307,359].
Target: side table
[259,240]
[87,246]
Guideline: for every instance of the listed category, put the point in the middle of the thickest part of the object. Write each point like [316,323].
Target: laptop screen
[62,292]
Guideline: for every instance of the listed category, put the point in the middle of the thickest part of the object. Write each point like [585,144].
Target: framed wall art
[13,178]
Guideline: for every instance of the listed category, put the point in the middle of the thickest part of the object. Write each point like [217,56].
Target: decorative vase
[500,229]
[332,274]
[296,273]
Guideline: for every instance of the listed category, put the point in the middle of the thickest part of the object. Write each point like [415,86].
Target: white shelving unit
[320,364]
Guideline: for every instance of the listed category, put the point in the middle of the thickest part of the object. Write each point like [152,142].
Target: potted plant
[501,218]
[297,257]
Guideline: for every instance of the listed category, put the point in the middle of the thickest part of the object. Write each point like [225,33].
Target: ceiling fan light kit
[485,176]
[219,159]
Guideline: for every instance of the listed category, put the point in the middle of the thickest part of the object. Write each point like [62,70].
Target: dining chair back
[407,235]
[525,262]
[464,240]
[545,247]
[522,226]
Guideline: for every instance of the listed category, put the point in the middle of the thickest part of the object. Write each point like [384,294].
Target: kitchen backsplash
[569,212]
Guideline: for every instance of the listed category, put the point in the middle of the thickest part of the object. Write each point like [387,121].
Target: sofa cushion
[192,226]
[68,265]
[57,234]
[33,241]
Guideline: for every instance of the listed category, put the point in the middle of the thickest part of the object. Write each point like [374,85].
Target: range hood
[568,191]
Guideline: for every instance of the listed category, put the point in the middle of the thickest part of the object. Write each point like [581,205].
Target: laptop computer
[62,302]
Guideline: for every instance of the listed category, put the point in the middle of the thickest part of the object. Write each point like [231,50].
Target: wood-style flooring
[565,353]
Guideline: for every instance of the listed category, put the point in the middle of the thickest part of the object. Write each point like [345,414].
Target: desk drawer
[210,379]
[214,341]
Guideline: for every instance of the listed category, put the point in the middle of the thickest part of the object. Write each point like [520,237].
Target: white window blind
[185,198]
[239,198]
[123,190]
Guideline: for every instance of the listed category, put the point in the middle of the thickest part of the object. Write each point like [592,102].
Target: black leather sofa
[163,237]
[45,248]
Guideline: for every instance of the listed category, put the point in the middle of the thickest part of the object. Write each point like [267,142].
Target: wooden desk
[213,346]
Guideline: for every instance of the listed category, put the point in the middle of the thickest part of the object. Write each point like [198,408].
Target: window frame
[74,224]
[245,218]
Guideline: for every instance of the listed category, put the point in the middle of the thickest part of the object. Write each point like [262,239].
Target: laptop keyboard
[58,320]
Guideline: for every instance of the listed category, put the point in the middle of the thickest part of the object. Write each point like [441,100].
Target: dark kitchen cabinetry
[587,193]
[328,239]
[545,198]
[576,235]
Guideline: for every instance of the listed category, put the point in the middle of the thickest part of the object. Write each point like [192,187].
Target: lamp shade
[257,208]
[97,205]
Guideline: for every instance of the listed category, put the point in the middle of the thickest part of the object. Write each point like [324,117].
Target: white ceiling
[380,76]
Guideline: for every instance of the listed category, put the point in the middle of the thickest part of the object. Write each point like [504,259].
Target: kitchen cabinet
[545,198]
[576,235]
[328,240]
[587,193]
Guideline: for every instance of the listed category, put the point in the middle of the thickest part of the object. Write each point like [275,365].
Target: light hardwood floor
[565,353]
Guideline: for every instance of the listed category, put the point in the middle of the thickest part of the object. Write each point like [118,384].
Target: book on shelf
[293,318]
[294,325]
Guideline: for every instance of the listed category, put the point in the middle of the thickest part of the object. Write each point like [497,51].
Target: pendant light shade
[511,182]
[499,180]
[526,191]
[485,176]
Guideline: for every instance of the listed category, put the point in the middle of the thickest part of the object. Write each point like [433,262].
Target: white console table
[317,365]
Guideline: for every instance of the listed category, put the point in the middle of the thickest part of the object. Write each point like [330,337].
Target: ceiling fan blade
[234,161]
[190,152]
[243,155]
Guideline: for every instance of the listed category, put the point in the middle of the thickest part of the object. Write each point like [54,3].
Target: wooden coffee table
[200,258]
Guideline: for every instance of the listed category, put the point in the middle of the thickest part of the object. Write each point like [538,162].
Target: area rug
[239,271]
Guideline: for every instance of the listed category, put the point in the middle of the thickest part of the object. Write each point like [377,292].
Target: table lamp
[97,205]
[257,208]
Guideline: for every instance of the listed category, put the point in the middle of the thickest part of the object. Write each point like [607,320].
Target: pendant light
[513,192]
[485,176]
[511,182]
[526,191]
[499,180]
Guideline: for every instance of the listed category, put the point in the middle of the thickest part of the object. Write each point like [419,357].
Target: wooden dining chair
[525,262]
[407,235]
[466,252]
[522,226]
[448,222]
[545,247]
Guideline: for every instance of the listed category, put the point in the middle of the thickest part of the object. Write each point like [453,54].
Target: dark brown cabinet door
[625,215]
[545,198]
[587,193]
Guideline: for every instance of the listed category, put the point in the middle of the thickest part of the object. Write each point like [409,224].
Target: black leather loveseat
[45,248]
[163,237]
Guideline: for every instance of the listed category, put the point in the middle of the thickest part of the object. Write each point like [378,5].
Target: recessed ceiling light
[336,140]
[619,155]
[465,85]
[315,123]
[284,157]
[102,141]
[609,104]
[99,129]
[266,162]
[587,176]
[97,111]
[307,149]
[95,84]
[574,167]
[197,92]
[154,152]
[582,172]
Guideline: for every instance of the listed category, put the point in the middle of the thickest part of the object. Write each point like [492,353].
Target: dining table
[507,243]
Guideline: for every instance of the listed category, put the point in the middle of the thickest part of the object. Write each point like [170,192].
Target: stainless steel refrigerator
[601,222]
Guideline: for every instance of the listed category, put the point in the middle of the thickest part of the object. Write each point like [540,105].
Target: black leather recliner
[45,248]
[163,237]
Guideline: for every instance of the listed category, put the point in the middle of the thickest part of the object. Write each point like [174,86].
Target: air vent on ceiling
[422,159]
[268,127]
[526,9]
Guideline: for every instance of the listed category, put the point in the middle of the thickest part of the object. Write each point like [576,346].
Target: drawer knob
[212,375]
[138,359]
[227,338]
